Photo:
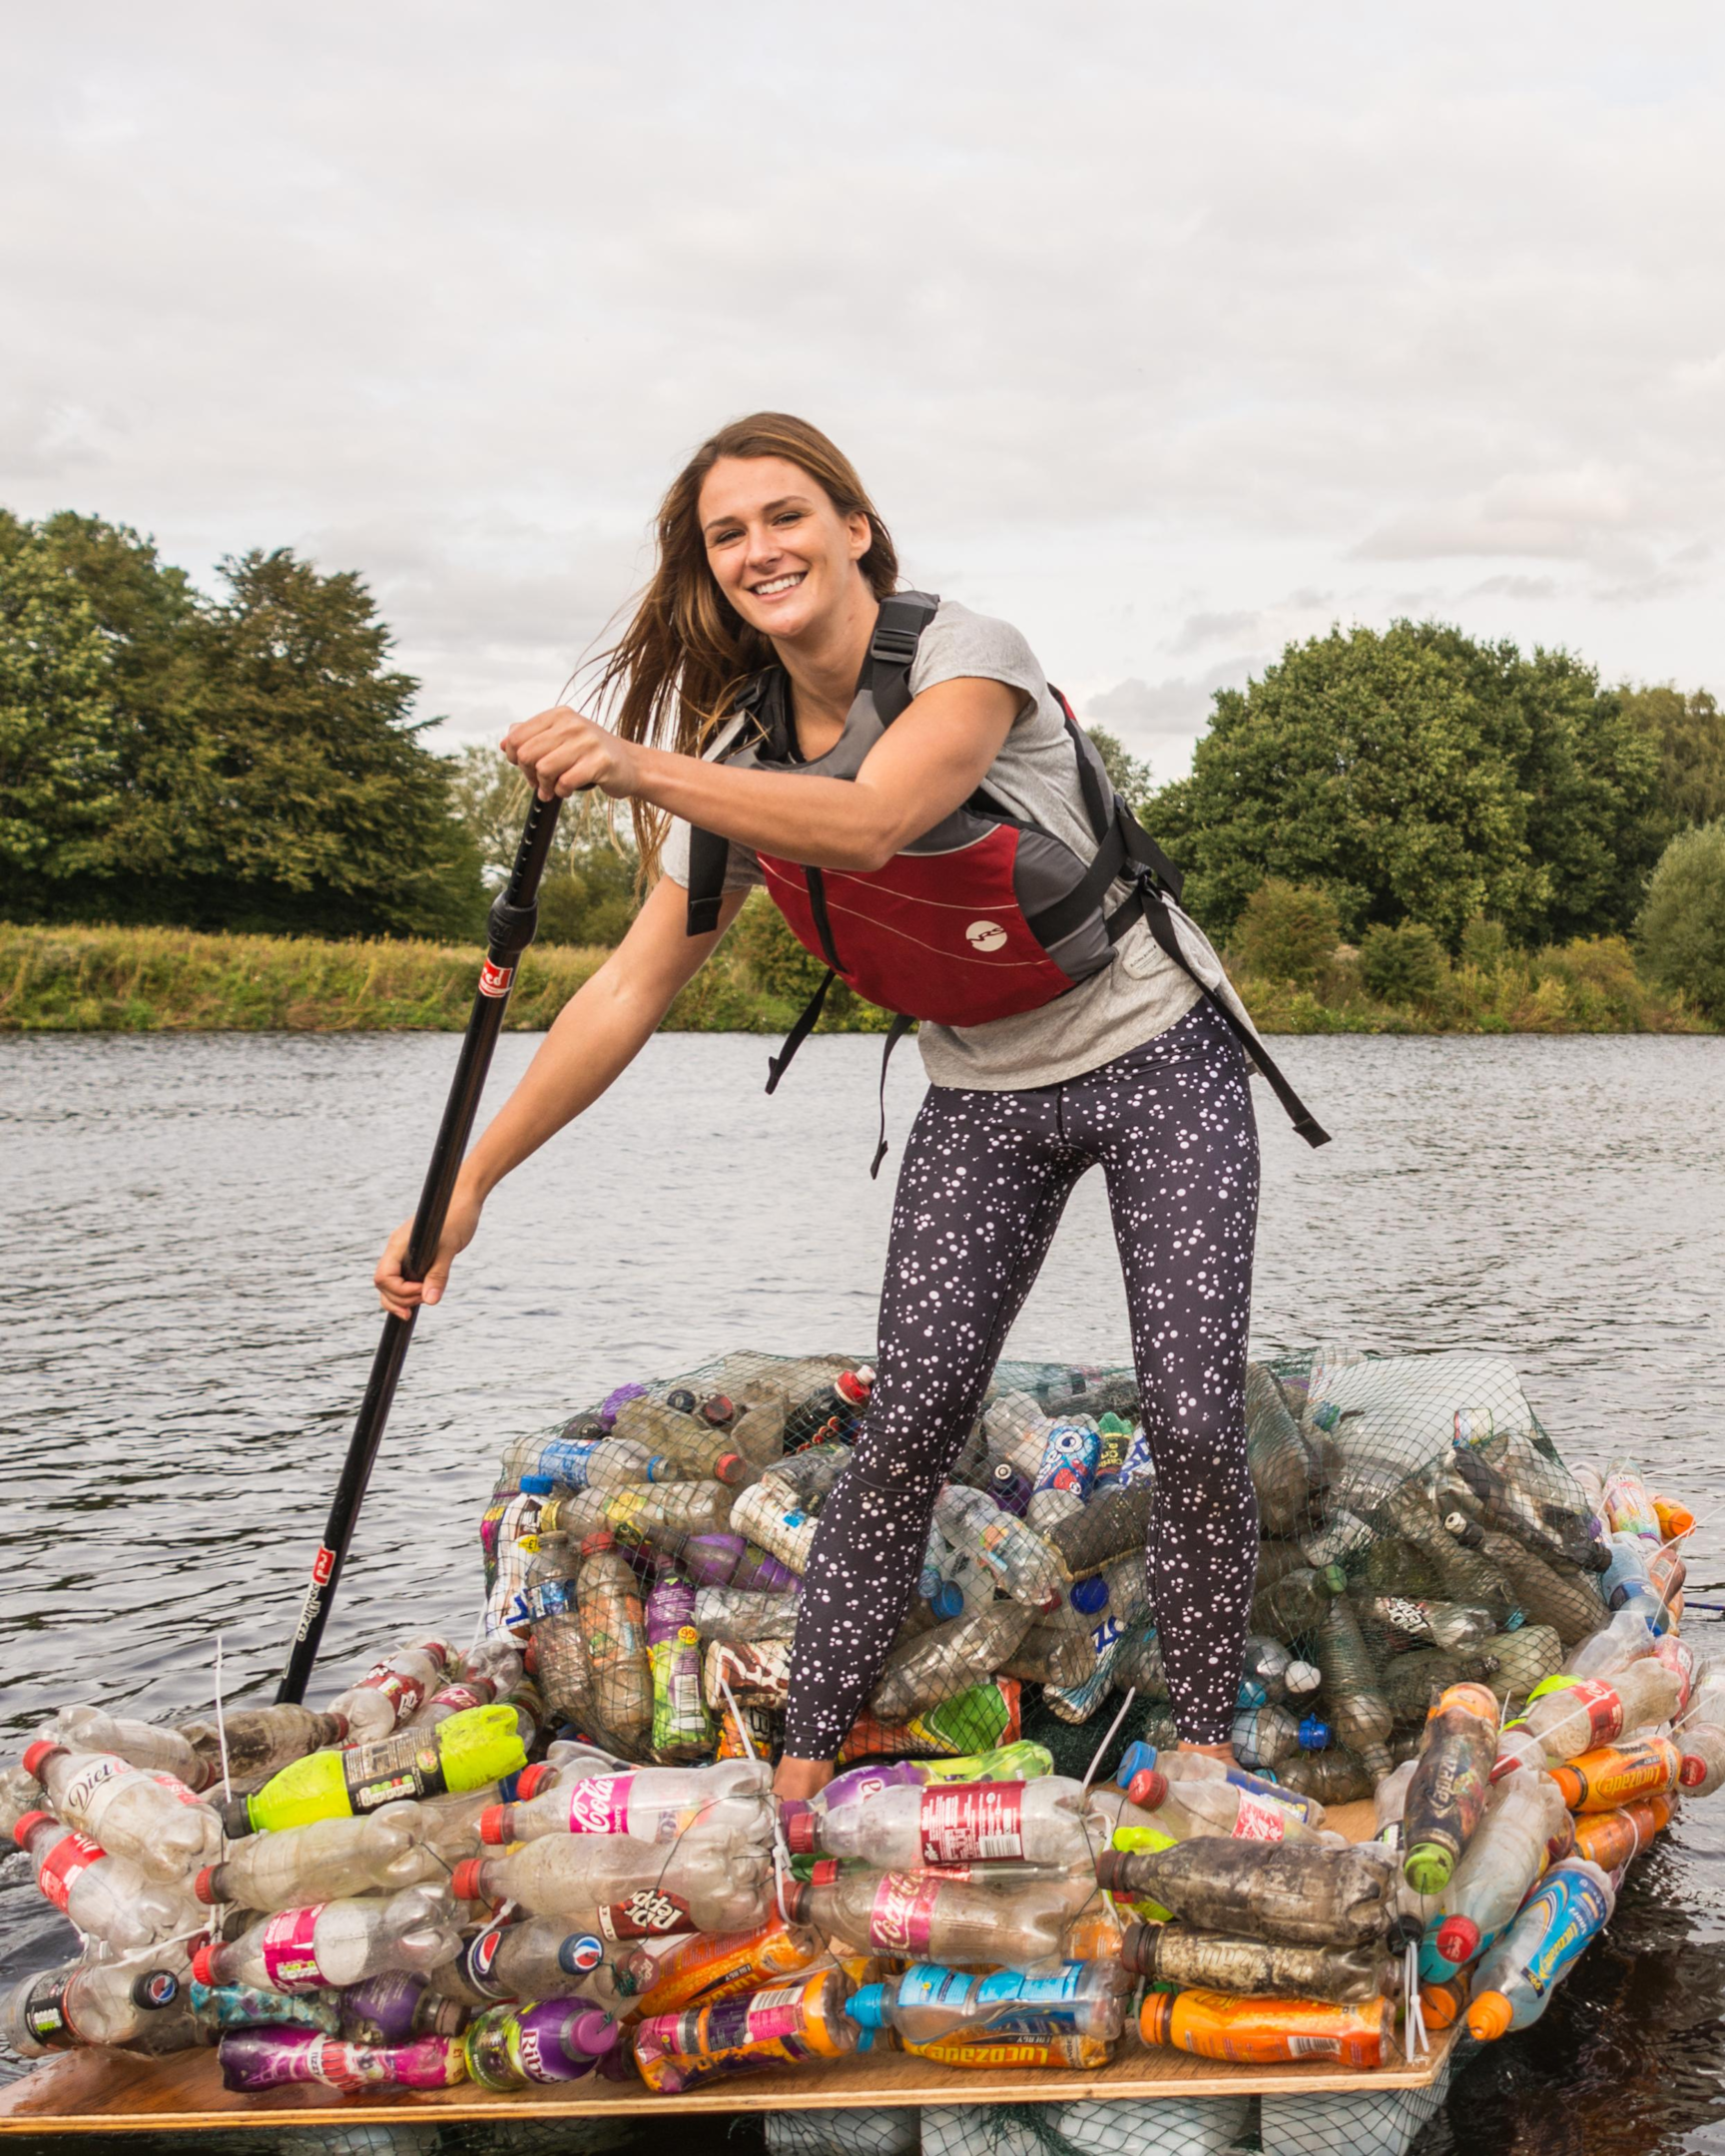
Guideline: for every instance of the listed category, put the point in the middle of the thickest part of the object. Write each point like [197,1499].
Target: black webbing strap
[816,884]
[1099,797]
[892,650]
[807,1019]
[1155,911]
[895,1032]
[1057,922]
[709,856]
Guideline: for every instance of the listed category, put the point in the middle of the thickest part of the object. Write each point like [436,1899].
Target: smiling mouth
[775,585]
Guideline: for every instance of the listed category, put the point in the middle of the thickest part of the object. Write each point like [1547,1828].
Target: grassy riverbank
[143,980]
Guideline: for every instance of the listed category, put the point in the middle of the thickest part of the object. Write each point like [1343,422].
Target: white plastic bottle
[331,1944]
[107,1898]
[151,1818]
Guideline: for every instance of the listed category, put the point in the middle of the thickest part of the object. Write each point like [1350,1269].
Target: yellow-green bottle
[481,1745]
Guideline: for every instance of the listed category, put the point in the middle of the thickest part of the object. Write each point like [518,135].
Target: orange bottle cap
[1489,2016]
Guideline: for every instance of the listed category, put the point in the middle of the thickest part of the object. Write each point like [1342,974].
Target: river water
[186,1324]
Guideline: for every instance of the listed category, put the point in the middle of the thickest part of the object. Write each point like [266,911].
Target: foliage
[1681,931]
[768,959]
[1129,774]
[1484,944]
[1287,933]
[1415,775]
[244,761]
[589,892]
[1689,734]
[1401,965]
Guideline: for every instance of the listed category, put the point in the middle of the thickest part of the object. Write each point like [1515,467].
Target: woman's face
[782,553]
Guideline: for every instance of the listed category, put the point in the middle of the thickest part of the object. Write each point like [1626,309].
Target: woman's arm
[927,762]
[597,1034]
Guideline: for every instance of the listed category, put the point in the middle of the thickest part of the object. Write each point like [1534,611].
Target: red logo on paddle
[321,1567]
[494,979]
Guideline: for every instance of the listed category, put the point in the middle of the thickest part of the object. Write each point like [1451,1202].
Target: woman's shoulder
[959,642]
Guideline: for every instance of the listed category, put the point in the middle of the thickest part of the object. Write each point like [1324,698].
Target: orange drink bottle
[1611,1838]
[1616,1775]
[1265,2031]
[709,1967]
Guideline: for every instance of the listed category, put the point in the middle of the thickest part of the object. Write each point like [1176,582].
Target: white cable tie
[222,1726]
[736,1715]
[1101,1749]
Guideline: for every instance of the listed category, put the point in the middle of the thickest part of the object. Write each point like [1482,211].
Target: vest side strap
[808,1018]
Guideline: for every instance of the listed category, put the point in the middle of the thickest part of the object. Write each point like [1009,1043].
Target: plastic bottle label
[480,1959]
[646,1915]
[1605,1710]
[45,2013]
[1260,1818]
[569,1459]
[601,1806]
[1009,1988]
[974,1824]
[901,1920]
[84,1785]
[406,1764]
[290,1959]
[176,1789]
[66,1859]
[1575,1907]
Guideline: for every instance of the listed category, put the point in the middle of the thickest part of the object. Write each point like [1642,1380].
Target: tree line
[252,760]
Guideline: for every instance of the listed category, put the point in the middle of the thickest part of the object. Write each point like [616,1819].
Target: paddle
[514,917]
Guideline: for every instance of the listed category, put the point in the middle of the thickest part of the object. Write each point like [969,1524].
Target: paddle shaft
[514,917]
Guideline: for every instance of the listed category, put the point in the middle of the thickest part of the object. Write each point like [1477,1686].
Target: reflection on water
[184,1327]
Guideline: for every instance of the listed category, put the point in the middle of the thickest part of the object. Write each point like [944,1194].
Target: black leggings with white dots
[984,1179]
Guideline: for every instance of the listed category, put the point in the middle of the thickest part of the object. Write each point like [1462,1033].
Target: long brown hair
[676,666]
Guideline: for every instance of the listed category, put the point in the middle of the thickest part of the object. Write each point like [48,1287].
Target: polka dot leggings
[984,1180]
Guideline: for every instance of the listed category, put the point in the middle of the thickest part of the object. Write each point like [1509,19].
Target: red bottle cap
[37,1756]
[464,1880]
[800,1832]
[202,1964]
[531,1779]
[600,1540]
[203,1885]
[855,1386]
[1148,1788]
[1693,1772]
[28,1824]
[827,1870]
[494,1826]
[729,1467]
[1458,1939]
[797,1902]
[718,1410]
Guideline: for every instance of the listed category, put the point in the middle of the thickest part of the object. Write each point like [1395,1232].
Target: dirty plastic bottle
[1262,2033]
[728,1804]
[331,1944]
[685,1437]
[785,1531]
[1613,1839]
[1278,1675]
[107,1898]
[393,1692]
[1343,1535]
[1566,1601]
[1580,1716]
[520,2045]
[1027,1569]
[614,1624]
[550,1599]
[454,1698]
[1045,1821]
[1355,1706]
[1265,1737]
[930,2005]
[377,1854]
[1304,1893]
[261,1740]
[1457,1627]
[622,1887]
[260,2059]
[1178,1768]
[739,1616]
[225,2006]
[1276,1455]
[950,1659]
[97,2002]
[806,1479]
[1335,1776]
[1296,1605]
[1511,1848]
[140,1744]
[465,1753]
[1619,1774]
[1183,1810]
[1450,1784]
[1261,1968]
[151,1819]
[919,1916]
[1064,1475]
[1466,1575]
[1514,1982]
[787,2023]
[1055,1652]
[682,1729]
[699,1970]
[591,1462]
[831,1413]
[1626,1638]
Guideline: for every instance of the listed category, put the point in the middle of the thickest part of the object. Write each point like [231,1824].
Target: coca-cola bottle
[107,1898]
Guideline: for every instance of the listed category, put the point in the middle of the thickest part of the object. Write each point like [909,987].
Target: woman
[773,565]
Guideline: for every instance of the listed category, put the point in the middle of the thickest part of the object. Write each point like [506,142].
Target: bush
[1484,943]
[1401,965]
[1287,933]
[588,896]
[1681,930]
[762,944]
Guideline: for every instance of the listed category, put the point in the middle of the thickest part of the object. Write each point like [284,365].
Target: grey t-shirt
[1036,776]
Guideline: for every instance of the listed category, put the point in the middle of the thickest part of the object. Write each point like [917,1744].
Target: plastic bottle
[517,2046]
[1115,1524]
[550,1604]
[785,1531]
[1566,1601]
[1027,1569]
[1616,1775]
[107,1898]
[1304,1893]
[1626,1583]
[1675,1654]
[624,1889]
[1278,1674]
[681,1727]
[1276,1455]
[806,1479]
[97,2002]
[1625,1502]
[1580,1716]
[1613,1839]
[1017,1761]
[149,1818]
[465,1753]
[831,1413]
[1511,1846]
[395,2007]
[1335,1776]
[1178,1768]
[1455,1627]
[798,2021]
[140,1744]
[930,2004]
[225,2006]
[1513,1983]
[1355,1706]
[726,1804]
[1262,1969]
[1343,1535]
[538,1957]
[1040,1822]
[1055,1652]
[993,2054]
[393,1692]
[261,1740]
[331,1944]
[1450,1784]
[922,1916]
[947,1660]
[1182,1809]
[1294,1606]
[1626,1638]
[261,2058]
[684,1437]
[1262,2033]
[1703,1747]
[378,1854]
[1468,1576]
[1064,1474]
[614,1623]
[736,1615]
[583,1456]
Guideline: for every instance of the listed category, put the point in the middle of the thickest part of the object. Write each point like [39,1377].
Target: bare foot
[801,1778]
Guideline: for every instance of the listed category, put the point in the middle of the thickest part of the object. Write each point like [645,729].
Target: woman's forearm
[825,822]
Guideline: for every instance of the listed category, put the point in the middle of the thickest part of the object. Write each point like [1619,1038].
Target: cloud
[1178,705]
[1575,514]
[1514,586]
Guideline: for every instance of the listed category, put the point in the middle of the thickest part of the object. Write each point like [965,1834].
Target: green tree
[1689,735]
[1287,933]
[1130,775]
[589,892]
[1415,775]
[1401,965]
[1681,929]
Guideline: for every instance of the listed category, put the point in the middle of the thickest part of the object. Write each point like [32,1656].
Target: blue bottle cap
[1313,1734]
[1136,1760]
[538,1485]
[866,2006]
[1251,1693]
[1090,1595]
[946,1601]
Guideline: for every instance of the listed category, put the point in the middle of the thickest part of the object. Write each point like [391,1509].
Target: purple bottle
[395,2007]
[253,2059]
[511,2046]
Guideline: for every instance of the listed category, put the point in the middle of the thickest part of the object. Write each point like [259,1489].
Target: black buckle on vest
[895,643]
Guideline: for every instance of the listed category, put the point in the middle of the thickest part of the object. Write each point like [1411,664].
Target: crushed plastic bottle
[1184,1810]
[1250,1968]
[787,2023]
[701,1970]
[107,1898]
[807,1478]
[953,1656]
[151,1819]
[1304,1893]
[1064,1475]
[922,1916]
[1447,1794]
[930,2005]
[257,2058]
[1513,1983]
[1027,1569]
[327,1945]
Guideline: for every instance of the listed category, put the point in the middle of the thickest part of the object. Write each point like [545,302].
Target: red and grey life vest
[981,918]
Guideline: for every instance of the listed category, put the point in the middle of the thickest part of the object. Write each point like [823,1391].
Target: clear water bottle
[107,1898]
[261,1740]
[327,1944]
[377,1854]
[140,1744]
[151,1818]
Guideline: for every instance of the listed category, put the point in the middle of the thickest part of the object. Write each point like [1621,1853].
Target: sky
[1168,334]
